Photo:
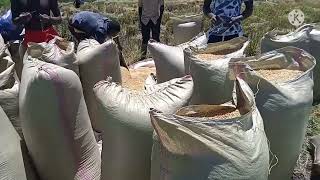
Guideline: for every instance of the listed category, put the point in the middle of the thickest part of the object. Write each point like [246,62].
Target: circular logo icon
[296,17]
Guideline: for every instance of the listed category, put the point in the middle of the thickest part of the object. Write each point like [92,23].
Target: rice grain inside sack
[207,142]
[56,124]
[134,79]
[282,80]
[96,63]
[169,59]
[9,89]
[306,37]
[127,130]
[186,27]
[58,51]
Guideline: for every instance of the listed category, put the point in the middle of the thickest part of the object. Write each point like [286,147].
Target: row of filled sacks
[55,113]
[15,162]
[283,70]
[307,37]
[283,84]
[9,87]
[278,99]
[169,60]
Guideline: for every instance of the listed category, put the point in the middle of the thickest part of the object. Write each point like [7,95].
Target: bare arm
[206,9]
[56,18]
[19,18]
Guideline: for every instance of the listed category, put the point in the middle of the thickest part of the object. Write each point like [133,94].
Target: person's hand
[25,17]
[236,19]
[44,18]
[77,3]
[213,18]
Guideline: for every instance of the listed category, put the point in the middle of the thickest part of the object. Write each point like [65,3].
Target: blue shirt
[93,24]
[8,30]
[224,10]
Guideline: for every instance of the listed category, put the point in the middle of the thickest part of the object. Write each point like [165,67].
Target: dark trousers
[150,27]
[214,38]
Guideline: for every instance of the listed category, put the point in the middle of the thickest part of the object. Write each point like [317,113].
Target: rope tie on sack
[273,157]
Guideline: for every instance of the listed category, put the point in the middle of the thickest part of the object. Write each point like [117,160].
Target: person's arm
[245,14]
[56,18]
[206,9]
[140,8]
[19,18]
[248,9]
[161,9]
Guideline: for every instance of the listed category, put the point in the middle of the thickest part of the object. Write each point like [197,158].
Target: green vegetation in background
[4,4]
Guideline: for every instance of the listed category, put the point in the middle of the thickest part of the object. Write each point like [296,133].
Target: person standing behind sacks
[150,15]
[91,25]
[35,16]
[226,17]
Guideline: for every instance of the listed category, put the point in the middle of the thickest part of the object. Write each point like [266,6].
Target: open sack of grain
[207,142]
[96,63]
[58,51]
[126,125]
[186,27]
[9,88]
[169,60]
[306,37]
[283,84]
[56,124]
[135,79]
[208,67]
[14,161]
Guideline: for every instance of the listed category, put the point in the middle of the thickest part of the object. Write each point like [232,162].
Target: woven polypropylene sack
[186,27]
[9,89]
[11,159]
[56,124]
[169,60]
[144,63]
[194,145]
[58,51]
[210,77]
[285,106]
[306,37]
[96,63]
[127,130]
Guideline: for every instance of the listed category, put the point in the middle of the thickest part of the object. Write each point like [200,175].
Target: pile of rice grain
[208,57]
[214,114]
[135,78]
[279,75]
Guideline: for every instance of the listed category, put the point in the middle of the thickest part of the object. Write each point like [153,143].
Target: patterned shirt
[224,10]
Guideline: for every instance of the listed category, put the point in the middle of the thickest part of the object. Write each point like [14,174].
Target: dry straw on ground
[135,78]
[279,75]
